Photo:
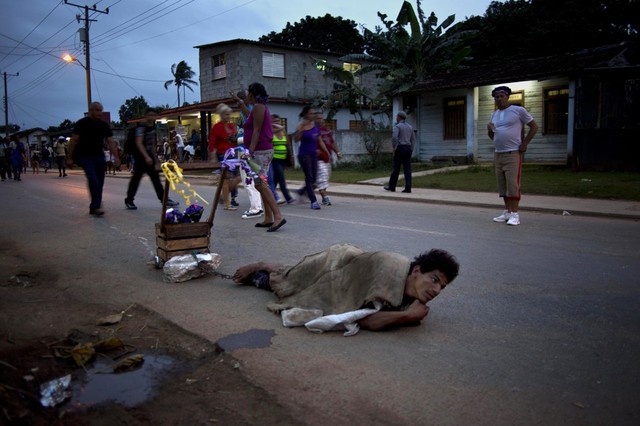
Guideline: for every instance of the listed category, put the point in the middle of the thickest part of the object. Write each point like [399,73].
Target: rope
[173,173]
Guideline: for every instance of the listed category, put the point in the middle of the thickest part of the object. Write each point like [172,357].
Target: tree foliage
[13,128]
[400,53]
[182,78]
[517,29]
[327,33]
[65,125]
[133,108]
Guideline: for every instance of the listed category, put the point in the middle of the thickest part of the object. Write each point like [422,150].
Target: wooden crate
[182,238]
[185,238]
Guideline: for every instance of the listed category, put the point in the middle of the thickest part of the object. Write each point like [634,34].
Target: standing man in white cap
[505,129]
[403,140]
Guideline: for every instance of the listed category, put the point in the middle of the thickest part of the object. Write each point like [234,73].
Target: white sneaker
[514,219]
[251,215]
[503,217]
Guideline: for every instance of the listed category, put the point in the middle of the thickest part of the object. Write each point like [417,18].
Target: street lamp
[68,58]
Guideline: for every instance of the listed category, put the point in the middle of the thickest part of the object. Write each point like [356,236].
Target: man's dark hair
[504,89]
[438,259]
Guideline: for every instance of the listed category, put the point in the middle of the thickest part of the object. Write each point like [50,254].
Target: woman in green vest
[282,157]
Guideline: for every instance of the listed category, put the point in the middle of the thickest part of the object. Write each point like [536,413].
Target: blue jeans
[276,177]
[94,169]
[309,165]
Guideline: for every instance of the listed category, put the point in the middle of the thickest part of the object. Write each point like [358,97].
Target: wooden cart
[174,239]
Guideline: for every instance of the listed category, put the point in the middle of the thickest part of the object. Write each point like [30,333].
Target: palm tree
[182,77]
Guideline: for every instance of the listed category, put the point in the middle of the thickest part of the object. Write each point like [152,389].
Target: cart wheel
[158,262]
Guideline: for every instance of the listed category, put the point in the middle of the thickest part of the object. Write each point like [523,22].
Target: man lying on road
[348,287]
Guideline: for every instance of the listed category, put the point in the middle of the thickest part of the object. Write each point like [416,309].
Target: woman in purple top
[257,137]
[307,133]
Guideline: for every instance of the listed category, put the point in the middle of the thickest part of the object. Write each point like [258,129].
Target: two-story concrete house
[292,76]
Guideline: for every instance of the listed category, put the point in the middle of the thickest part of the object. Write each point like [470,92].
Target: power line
[142,24]
[31,32]
[179,28]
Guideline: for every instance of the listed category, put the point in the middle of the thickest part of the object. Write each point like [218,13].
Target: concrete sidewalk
[541,203]
[374,188]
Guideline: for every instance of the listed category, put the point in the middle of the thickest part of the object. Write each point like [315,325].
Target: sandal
[232,208]
[264,225]
[278,226]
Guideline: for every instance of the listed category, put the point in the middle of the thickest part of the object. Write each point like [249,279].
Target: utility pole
[6,104]
[86,42]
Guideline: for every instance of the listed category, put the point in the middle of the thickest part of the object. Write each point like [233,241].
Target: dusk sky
[135,44]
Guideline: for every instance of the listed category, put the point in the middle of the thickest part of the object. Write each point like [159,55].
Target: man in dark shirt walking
[86,150]
[403,140]
[144,161]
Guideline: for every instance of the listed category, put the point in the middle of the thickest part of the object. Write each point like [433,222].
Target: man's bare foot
[244,273]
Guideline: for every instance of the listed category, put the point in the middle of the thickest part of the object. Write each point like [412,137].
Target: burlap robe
[341,279]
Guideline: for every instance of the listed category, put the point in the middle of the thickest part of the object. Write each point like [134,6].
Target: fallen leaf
[108,344]
[82,353]
[128,363]
[110,319]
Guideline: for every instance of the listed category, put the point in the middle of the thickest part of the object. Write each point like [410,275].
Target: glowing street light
[68,58]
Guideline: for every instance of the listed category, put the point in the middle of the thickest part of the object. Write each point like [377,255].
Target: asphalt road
[541,326]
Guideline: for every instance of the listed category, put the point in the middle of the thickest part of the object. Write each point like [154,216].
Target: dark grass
[536,180]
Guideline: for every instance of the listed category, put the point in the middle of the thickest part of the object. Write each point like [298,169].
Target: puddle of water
[129,388]
[251,339]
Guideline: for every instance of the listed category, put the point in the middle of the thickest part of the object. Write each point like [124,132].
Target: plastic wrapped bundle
[183,268]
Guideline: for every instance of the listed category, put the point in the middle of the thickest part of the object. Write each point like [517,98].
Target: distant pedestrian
[35,163]
[5,154]
[308,133]
[166,148]
[17,158]
[282,155]
[179,145]
[109,162]
[403,140]
[46,158]
[87,141]
[505,129]
[194,141]
[60,149]
[326,147]
[144,155]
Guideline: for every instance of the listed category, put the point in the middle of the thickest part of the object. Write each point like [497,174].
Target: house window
[330,124]
[321,64]
[556,111]
[219,65]
[272,64]
[356,124]
[352,68]
[455,118]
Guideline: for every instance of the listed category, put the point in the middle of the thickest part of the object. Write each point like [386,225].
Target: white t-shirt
[179,141]
[508,124]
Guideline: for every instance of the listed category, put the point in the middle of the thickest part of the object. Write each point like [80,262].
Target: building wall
[430,118]
[543,148]
[302,81]
[431,142]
